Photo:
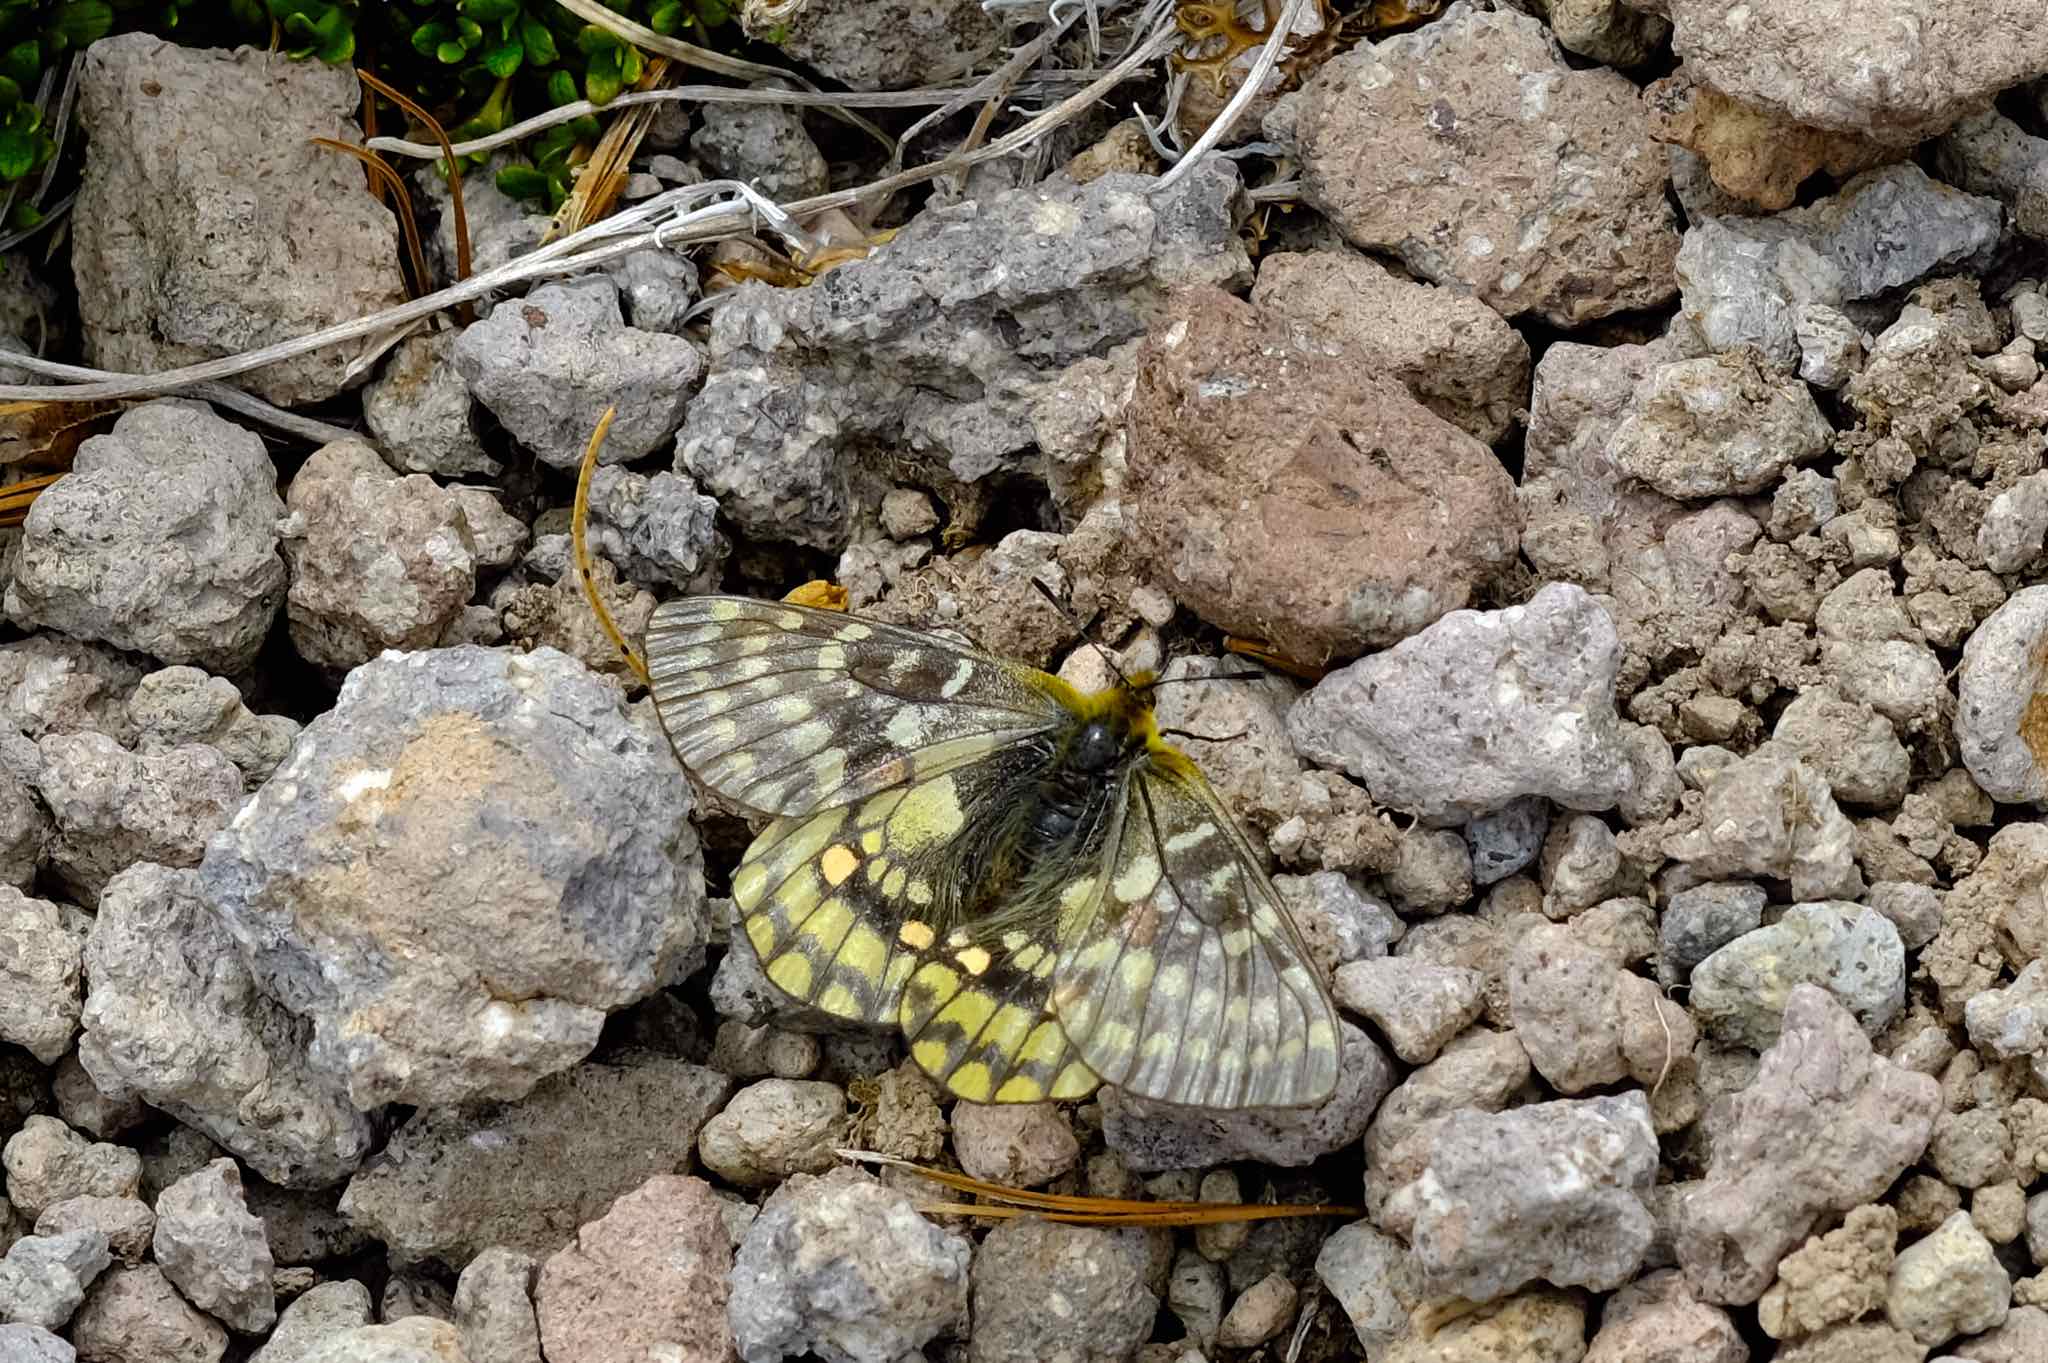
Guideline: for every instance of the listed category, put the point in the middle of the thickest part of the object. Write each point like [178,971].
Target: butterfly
[1029,881]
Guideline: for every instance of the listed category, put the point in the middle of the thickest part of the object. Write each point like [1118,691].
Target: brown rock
[645,1280]
[1457,356]
[134,1315]
[1656,1320]
[1432,145]
[1020,1145]
[1834,1277]
[1758,156]
[1290,494]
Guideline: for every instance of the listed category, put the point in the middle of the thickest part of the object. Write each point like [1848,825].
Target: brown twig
[467,311]
[387,179]
[577,519]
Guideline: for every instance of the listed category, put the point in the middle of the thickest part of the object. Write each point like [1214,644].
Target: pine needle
[1071,1209]
[577,541]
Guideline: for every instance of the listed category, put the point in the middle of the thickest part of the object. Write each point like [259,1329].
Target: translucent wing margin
[785,709]
[1182,978]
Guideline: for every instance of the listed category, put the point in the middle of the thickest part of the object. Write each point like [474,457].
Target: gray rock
[1025,1266]
[33,1344]
[2014,524]
[1507,839]
[1777,55]
[41,950]
[1700,921]
[1769,815]
[1555,208]
[1830,345]
[1194,1294]
[325,1311]
[1581,866]
[1853,748]
[126,1223]
[657,287]
[523,1176]
[415,1339]
[44,1277]
[2019,1340]
[659,531]
[880,44]
[1853,952]
[174,1016]
[1948,1283]
[2000,674]
[1745,281]
[1154,1136]
[47,1163]
[161,539]
[845,1268]
[378,561]
[213,1251]
[1377,1281]
[1716,426]
[134,1315]
[50,683]
[1359,926]
[549,364]
[2012,1022]
[1825,1126]
[494,1307]
[1584,1019]
[1915,910]
[1456,355]
[1382,719]
[203,178]
[1417,1006]
[419,409]
[1550,1192]
[773,1129]
[501,228]
[648,1279]
[464,865]
[763,145]
[901,359]
[114,808]
[176,706]
[1481,1070]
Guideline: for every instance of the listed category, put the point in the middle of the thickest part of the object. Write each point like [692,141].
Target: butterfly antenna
[581,548]
[1075,621]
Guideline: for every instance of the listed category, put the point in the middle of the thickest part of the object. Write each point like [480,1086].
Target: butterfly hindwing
[1182,978]
[785,709]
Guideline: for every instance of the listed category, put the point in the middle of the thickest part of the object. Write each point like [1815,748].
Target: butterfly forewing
[1182,979]
[784,708]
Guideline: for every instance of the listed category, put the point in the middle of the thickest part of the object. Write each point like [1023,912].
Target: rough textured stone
[1996,691]
[1454,354]
[22,1343]
[1154,1136]
[880,44]
[1754,158]
[45,1277]
[900,361]
[463,866]
[1832,1278]
[174,1017]
[1853,952]
[204,179]
[1655,1319]
[660,531]
[134,1315]
[325,1311]
[845,1268]
[1990,154]
[378,561]
[1046,1293]
[1552,1191]
[646,1280]
[414,1339]
[1948,1283]
[419,410]
[523,1176]
[1746,281]
[1717,426]
[1810,59]
[213,1251]
[1584,1020]
[2012,1022]
[1769,815]
[161,539]
[42,946]
[1416,1005]
[176,706]
[1019,1145]
[764,145]
[1382,719]
[125,1222]
[48,1163]
[113,808]
[549,364]
[1551,204]
[1826,1126]
[773,1129]
[1375,1278]
[1537,1326]
[1238,431]
[494,1308]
